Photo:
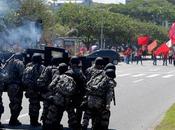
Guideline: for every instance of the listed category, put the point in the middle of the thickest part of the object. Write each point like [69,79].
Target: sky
[109,1]
[98,1]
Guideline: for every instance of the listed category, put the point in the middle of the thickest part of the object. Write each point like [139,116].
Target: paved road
[143,94]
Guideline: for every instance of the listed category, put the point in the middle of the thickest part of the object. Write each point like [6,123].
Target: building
[61,2]
[127,1]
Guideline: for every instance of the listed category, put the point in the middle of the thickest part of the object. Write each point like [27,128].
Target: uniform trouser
[53,117]
[1,105]
[100,119]
[15,94]
[45,111]
[86,118]
[78,113]
[34,106]
[72,118]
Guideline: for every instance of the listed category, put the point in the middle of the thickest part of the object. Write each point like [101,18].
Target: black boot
[84,127]
[60,127]
[34,121]
[75,127]
[14,121]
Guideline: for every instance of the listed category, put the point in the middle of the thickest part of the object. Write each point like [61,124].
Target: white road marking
[153,75]
[138,75]
[170,72]
[167,76]
[21,116]
[123,75]
[153,70]
[139,80]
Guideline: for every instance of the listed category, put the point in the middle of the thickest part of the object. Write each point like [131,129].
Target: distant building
[61,2]
[127,1]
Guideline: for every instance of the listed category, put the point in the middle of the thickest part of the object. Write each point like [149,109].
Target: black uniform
[30,76]
[15,70]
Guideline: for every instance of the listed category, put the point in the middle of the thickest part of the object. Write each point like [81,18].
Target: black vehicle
[47,54]
[29,53]
[109,56]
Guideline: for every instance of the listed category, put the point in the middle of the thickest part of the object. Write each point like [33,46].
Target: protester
[154,56]
[139,56]
[165,58]
[170,57]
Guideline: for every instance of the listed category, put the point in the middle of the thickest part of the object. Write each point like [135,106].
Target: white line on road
[167,76]
[122,75]
[153,75]
[139,80]
[138,75]
[21,116]
[171,72]
[153,70]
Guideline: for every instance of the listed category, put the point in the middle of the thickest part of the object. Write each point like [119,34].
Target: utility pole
[101,34]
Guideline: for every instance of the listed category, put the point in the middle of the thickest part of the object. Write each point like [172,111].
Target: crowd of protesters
[131,55]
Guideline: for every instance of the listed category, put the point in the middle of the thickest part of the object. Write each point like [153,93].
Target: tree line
[120,23]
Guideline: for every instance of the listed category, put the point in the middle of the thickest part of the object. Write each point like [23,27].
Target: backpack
[3,75]
[30,75]
[96,88]
[97,84]
[66,85]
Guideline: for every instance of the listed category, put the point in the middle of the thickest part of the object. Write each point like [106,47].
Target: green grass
[168,122]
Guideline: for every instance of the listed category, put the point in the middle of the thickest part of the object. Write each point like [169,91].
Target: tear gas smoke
[27,35]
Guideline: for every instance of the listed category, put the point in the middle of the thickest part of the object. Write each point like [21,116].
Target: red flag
[143,40]
[172,33]
[162,49]
[152,45]
[169,43]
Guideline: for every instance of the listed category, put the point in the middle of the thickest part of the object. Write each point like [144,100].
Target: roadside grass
[168,122]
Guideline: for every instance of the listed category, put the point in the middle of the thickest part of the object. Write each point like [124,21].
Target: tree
[118,27]
[156,11]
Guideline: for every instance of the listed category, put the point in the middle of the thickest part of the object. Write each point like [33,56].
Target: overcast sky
[109,1]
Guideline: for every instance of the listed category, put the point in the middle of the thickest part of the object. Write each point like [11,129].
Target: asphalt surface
[143,94]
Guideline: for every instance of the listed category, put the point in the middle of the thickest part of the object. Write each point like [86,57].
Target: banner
[143,40]
[162,49]
[172,33]
[169,43]
[152,46]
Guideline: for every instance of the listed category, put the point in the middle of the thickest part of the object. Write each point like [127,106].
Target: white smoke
[25,36]
[8,5]
[3,8]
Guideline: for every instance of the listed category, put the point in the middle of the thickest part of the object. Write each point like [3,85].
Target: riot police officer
[80,80]
[30,76]
[43,82]
[15,70]
[3,76]
[91,72]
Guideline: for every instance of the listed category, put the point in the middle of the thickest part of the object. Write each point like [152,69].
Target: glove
[108,107]
[50,99]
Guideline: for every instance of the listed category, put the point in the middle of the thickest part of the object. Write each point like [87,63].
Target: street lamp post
[101,34]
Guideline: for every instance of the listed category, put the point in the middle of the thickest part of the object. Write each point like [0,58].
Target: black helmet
[75,60]
[18,56]
[1,61]
[99,61]
[56,61]
[110,73]
[36,58]
[62,68]
[110,66]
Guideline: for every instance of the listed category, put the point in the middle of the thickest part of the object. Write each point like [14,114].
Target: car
[109,56]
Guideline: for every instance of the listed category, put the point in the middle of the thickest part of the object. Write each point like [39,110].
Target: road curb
[157,122]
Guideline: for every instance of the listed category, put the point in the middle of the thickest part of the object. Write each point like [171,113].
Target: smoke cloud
[27,35]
